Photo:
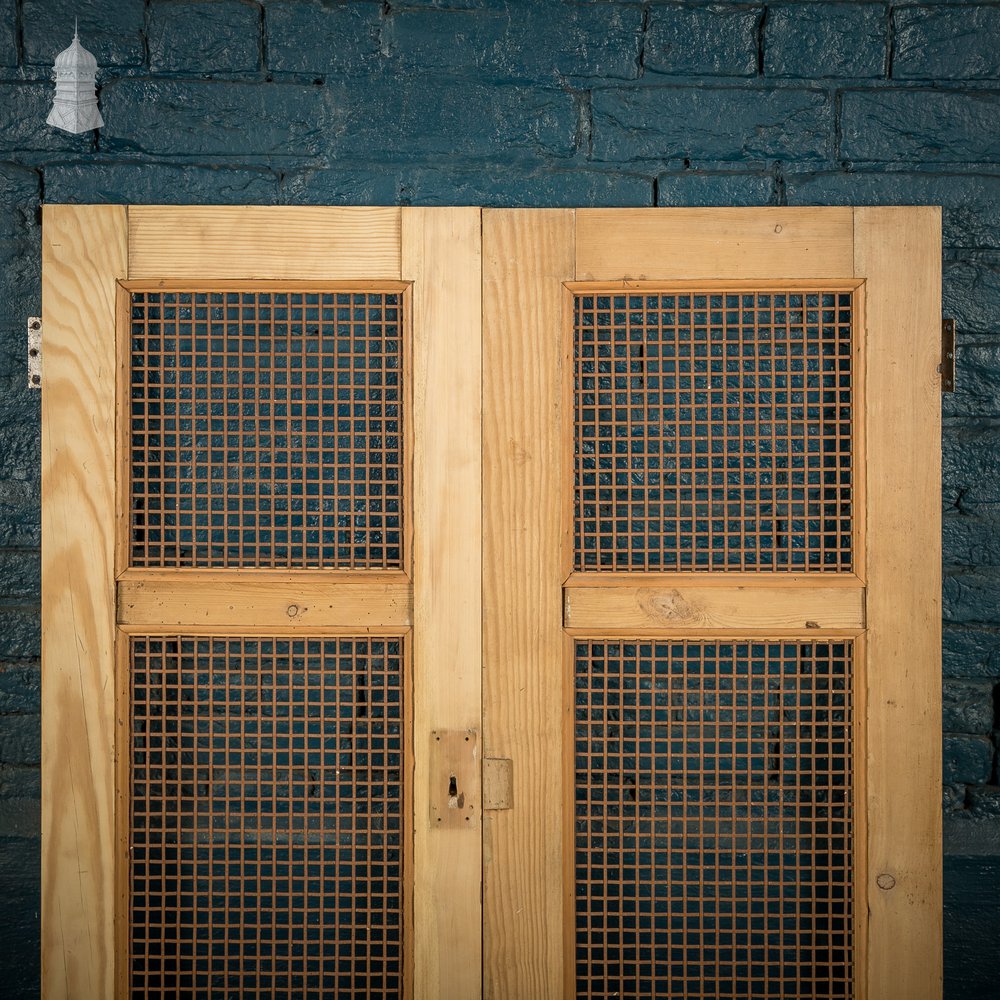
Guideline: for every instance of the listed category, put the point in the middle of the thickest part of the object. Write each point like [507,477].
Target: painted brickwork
[542,103]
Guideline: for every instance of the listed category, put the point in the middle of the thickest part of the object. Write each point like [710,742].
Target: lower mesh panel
[266,814]
[713,820]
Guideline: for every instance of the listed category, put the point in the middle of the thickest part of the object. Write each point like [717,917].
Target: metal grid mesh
[266,429]
[266,812]
[713,431]
[713,819]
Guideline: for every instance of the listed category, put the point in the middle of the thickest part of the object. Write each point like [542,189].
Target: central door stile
[441,255]
[528,254]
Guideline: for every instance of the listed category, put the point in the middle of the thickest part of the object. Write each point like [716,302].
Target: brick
[8,33]
[972,918]
[970,651]
[518,186]
[372,184]
[967,759]
[19,192]
[814,40]
[20,633]
[111,29]
[970,541]
[952,798]
[218,36]
[20,294]
[518,40]
[20,890]
[20,511]
[20,739]
[702,41]
[404,118]
[693,188]
[977,390]
[313,37]
[967,707]
[18,782]
[970,456]
[158,184]
[971,203]
[23,110]
[947,43]
[216,118]
[20,686]
[971,292]
[971,595]
[20,575]
[661,123]
[985,802]
[20,437]
[929,126]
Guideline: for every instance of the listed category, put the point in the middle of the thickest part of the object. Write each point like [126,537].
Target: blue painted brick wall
[529,102]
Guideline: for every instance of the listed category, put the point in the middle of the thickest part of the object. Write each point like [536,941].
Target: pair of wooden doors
[510,603]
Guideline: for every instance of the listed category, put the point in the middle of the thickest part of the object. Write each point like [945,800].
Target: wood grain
[498,783]
[724,244]
[442,256]
[84,252]
[235,600]
[750,609]
[246,242]
[527,256]
[898,251]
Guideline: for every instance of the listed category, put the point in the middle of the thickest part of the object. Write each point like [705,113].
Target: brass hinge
[947,367]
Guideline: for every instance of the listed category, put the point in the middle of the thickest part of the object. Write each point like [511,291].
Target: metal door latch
[34,352]
[947,366]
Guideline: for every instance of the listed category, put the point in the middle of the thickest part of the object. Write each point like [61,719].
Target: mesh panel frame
[713,818]
[713,430]
[267,816]
[267,429]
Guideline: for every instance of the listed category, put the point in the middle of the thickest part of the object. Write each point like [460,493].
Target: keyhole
[452,788]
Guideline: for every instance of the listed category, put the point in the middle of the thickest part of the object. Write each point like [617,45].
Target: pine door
[262,609]
[712,602]
[446,603]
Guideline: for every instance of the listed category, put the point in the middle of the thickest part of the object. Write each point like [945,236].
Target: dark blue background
[543,103]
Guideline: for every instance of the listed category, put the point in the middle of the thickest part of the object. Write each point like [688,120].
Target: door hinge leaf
[947,366]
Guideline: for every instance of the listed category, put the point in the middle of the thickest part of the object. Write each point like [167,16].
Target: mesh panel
[713,819]
[713,431]
[266,811]
[266,429]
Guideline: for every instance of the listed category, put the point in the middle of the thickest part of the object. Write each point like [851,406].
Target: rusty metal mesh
[266,429]
[713,819]
[713,431]
[266,815]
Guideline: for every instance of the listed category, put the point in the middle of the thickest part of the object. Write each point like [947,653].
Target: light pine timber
[84,252]
[442,256]
[256,241]
[748,608]
[263,599]
[527,256]
[898,251]
[781,244]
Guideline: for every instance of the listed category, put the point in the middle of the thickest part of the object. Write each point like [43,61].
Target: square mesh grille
[713,431]
[713,819]
[266,429]
[266,817]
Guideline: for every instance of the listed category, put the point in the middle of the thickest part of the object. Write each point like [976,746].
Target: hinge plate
[947,355]
[34,352]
